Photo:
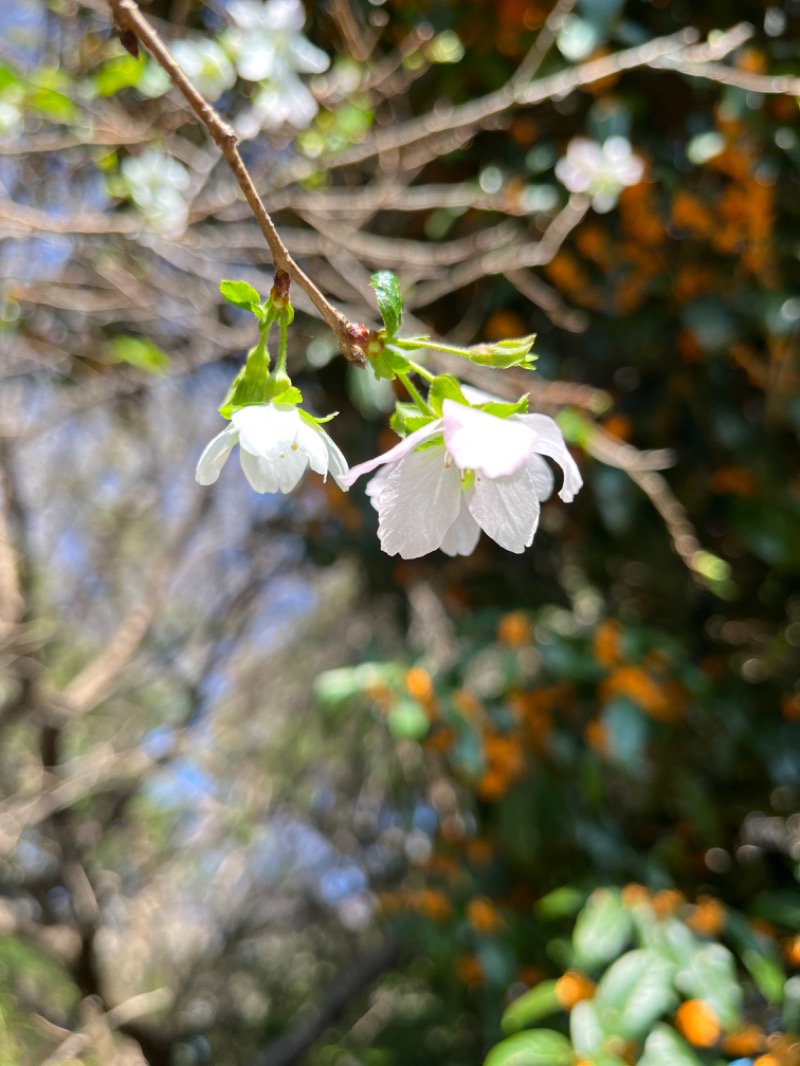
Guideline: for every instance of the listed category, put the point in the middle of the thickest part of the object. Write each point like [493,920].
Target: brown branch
[128,18]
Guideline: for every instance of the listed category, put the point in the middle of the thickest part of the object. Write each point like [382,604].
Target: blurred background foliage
[272,797]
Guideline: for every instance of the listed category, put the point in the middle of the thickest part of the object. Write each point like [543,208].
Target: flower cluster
[466,461]
[600,171]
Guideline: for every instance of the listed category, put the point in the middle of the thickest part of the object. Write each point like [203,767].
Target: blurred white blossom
[268,47]
[157,183]
[600,171]
[206,65]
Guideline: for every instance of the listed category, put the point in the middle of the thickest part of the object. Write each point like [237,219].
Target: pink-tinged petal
[406,445]
[507,509]
[374,486]
[550,442]
[419,503]
[463,535]
[482,442]
[215,453]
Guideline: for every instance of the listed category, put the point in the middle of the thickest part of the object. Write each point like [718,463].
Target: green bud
[516,351]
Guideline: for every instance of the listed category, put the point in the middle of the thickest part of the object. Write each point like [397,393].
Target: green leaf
[532,1005]
[503,410]
[240,294]
[602,930]
[545,1047]
[585,1028]
[121,72]
[635,991]
[406,418]
[664,1047]
[407,720]
[444,387]
[560,903]
[334,687]
[138,352]
[759,955]
[390,303]
[711,976]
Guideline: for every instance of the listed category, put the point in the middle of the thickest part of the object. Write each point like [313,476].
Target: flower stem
[415,395]
[423,373]
[280,366]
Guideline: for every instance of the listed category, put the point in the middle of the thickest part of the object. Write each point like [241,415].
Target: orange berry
[514,629]
[696,1021]
[572,988]
[482,915]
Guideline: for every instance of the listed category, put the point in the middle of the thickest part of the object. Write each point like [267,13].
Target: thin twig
[129,18]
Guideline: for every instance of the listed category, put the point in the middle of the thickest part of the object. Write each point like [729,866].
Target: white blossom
[465,472]
[206,65]
[600,171]
[275,446]
[268,47]
[156,183]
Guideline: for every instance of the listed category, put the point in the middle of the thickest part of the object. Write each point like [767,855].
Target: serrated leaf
[544,1047]
[602,930]
[444,387]
[532,1005]
[240,294]
[711,976]
[664,1047]
[585,1028]
[503,410]
[390,302]
[635,991]
[138,352]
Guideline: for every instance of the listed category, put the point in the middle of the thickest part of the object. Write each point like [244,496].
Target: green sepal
[503,410]
[390,302]
[290,394]
[407,418]
[250,386]
[312,420]
[516,351]
[389,364]
[445,387]
[241,294]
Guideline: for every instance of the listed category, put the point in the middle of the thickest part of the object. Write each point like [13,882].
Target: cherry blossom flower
[462,473]
[600,171]
[157,184]
[268,47]
[276,444]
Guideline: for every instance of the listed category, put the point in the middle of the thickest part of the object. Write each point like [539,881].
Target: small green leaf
[516,351]
[406,418]
[585,1028]
[711,976]
[444,387]
[121,72]
[532,1005]
[544,1047]
[602,930]
[560,903]
[664,1047]
[240,294]
[138,352]
[390,302]
[503,410]
[408,720]
[635,991]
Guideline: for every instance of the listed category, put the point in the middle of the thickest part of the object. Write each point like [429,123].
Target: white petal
[306,57]
[214,455]
[419,503]
[507,509]
[482,442]
[406,445]
[268,430]
[463,535]
[542,477]
[310,441]
[337,464]
[550,442]
[289,467]
[259,472]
